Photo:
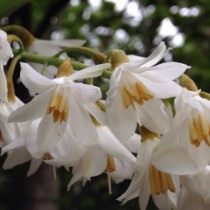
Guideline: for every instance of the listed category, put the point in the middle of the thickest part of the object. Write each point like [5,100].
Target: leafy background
[136,28]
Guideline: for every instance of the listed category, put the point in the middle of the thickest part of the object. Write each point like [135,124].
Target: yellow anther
[199,130]
[110,167]
[160,182]
[58,107]
[136,92]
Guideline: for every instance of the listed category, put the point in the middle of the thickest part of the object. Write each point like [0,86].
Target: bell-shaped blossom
[5,54]
[60,103]
[136,88]
[19,151]
[149,181]
[13,137]
[185,148]
[92,159]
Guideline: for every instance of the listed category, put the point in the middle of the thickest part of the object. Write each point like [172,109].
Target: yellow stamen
[47,156]
[58,107]
[199,130]
[110,167]
[137,92]
[160,182]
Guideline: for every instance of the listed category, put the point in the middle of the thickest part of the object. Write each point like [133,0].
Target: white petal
[5,51]
[34,166]
[96,112]
[133,143]
[153,116]
[161,90]
[155,56]
[17,157]
[90,72]
[94,162]
[77,176]
[164,202]
[81,124]
[51,47]
[167,71]
[3,85]
[144,193]
[132,191]
[49,134]
[190,201]
[122,121]
[123,170]
[36,108]
[35,82]
[85,93]
[112,146]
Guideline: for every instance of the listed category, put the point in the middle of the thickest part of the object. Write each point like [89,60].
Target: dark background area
[136,28]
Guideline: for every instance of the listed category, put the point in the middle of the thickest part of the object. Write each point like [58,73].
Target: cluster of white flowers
[135,133]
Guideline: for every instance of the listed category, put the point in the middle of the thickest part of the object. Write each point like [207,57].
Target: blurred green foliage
[106,28]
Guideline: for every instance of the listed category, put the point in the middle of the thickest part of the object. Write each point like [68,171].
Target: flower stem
[26,56]
[96,55]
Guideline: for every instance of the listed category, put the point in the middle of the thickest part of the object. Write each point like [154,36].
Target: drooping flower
[148,180]
[60,104]
[94,158]
[136,87]
[185,148]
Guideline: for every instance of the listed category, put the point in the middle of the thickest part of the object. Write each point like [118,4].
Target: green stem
[26,56]
[96,55]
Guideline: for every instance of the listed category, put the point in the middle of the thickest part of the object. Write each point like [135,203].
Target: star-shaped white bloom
[59,105]
[101,155]
[149,181]
[185,148]
[136,88]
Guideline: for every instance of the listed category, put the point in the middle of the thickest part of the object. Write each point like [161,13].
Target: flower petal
[34,166]
[51,47]
[85,93]
[161,90]
[111,145]
[155,56]
[153,116]
[3,85]
[166,71]
[90,72]
[122,121]
[35,82]
[34,109]
[16,157]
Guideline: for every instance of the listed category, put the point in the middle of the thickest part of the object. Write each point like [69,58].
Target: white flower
[94,158]
[136,87]
[148,180]
[185,148]
[5,54]
[19,150]
[60,105]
